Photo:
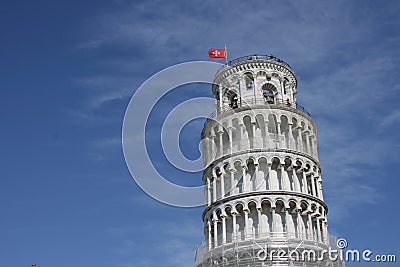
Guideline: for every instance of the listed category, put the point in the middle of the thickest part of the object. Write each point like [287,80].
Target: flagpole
[226,55]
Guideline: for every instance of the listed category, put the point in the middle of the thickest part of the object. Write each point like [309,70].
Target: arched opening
[219,228]
[268,92]
[263,174]
[292,227]
[251,175]
[260,130]
[236,135]
[272,132]
[284,131]
[274,175]
[305,226]
[227,181]
[225,139]
[266,218]
[229,225]
[253,221]
[249,79]
[280,220]
[233,99]
[240,223]
[248,141]
[238,178]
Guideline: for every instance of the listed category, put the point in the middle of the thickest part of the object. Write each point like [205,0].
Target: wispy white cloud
[171,241]
[392,118]
[343,54]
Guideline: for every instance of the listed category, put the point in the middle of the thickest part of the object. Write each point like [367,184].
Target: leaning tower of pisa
[264,203]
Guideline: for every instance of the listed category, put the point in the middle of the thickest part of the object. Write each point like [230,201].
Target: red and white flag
[217,53]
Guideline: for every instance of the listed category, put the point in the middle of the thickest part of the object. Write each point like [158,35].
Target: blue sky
[69,69]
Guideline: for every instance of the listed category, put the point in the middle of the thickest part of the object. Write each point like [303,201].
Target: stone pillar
[256,180]
[234,236]
[256,90]
[214,181]
[300,225]
[221,143]
[244,184]
[213,146]
[316,186]
[321,196]
[300,139]
[318,229]
[284,179]
[215,221]
[230,130]
[313,184]
[307,143]
[278,134]
[267,177]
[311,143]
[252,139]
[296,180]
[291,138]
[326,232]
[305,181]
[223,217]
[286,222]
[310,226]
[259,221]
[281,82]
[241,140]
[315,149]
[208,192]
[222,177]
[273,211]
[233,186]
[209,235]
[266,144]
[246,223]
[220,97]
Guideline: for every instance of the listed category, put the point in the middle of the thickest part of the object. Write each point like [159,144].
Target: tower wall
[262,178]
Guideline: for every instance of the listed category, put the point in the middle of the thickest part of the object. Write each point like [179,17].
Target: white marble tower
[263,183]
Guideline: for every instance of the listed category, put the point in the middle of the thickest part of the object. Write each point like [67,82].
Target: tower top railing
[270,57]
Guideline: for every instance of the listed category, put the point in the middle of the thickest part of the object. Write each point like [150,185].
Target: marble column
[266,144]
[214,182]
[232,190]
[291,138]
[208,191]
[234,228]
[259,227]
[256,180]
[223,218]
[246,223]
[312,180]
[221,143]
[318,229]
[244,179]
[321,196]
[307,150]
[310,227]
[278,134]
[222,183]
[209,235]
[230,135]
[215,221]
[273,212]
